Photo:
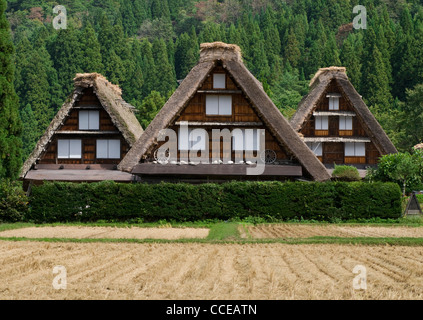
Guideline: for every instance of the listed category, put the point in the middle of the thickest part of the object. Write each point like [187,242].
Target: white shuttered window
[192,139]
[245,139]
[69,149]
[333,103]
[218,105]
[355,149]
[322,123]
[108,149]
[345,123]
[219,81]
[89,120]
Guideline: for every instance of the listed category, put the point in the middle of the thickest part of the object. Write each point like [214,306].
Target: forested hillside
[146,46]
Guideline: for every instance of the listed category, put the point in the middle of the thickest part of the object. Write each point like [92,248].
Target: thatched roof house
[189,103]
[333,116]
[112,120]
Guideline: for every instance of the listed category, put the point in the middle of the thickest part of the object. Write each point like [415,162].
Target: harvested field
[106,232]
[307,231]
[208,271]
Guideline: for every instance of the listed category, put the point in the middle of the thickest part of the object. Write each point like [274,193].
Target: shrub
[13,201]
[330,201]
[345,173]
[403,168]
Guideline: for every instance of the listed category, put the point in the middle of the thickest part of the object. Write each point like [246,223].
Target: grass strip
[232,240]
[224,231]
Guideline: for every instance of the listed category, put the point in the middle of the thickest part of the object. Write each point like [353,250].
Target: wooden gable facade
[336,124]
[241,116]
[89,136]
[91,140]
[221,94]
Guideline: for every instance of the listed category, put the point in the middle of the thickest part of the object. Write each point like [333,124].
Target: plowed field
[306,231]
[208,271]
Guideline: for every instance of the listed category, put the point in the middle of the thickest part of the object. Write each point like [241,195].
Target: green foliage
[283,44]
[66,202]
[13,201]
[149,108]
[405,169]
[345,173]
[10,123]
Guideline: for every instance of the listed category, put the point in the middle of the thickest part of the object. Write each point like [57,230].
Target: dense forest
[146,46]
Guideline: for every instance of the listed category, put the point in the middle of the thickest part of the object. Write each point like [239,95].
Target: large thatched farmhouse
[218,125]
[336,123]
[221,96]
[87,139]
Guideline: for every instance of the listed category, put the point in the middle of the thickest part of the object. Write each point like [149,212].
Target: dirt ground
[208,271]
[306,231]
[107,232]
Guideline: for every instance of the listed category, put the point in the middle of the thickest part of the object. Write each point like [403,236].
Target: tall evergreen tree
[10,122]
[148,67]
[377,92]
[160,9]
[133,86]
[292,51]
[186,55]
[350,58]
[67,57]
[31,136]
[149,108]
[37,92]
[165,78]
[91,58]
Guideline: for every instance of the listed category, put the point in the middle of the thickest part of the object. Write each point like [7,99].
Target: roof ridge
[324,71]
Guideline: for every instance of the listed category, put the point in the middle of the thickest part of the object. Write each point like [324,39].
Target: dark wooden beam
[74,166]
[215,170]
[96,132]
[79,175]
[223,91]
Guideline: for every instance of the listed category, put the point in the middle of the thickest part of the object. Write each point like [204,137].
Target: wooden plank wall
[242,111]
[90,100]
[334,152]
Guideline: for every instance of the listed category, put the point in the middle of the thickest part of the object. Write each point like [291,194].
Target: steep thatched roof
[110,97]
[230,55]
[318,86]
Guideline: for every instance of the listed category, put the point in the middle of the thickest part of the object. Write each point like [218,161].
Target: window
[192,139]
[322,123]
[245,139]
[334,103]
[355,149]
[219,81]
[89,120]
[333,100]
[218,105]
[345,123]
[316,147]
[69,149]
[108,149]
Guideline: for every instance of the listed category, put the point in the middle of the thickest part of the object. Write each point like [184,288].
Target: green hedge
[66,202]
[13,201]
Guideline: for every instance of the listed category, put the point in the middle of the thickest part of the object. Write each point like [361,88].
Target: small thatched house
[219,95]
[88,138]
[336,124]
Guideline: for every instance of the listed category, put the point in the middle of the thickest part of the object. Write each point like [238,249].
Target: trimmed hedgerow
[13,201]
[67,202]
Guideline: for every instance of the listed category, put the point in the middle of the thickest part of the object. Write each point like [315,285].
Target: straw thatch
[109,95]
[230,55]
[319,84]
